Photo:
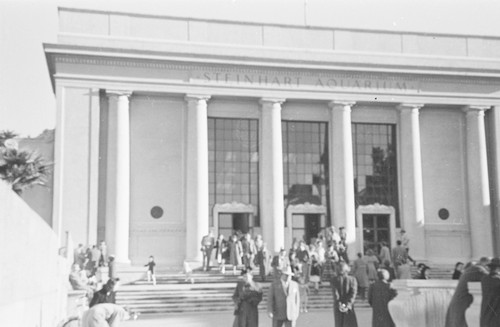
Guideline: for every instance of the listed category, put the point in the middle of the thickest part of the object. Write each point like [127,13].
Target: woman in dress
[221,253]
[360,270]
[372,262]
[235,252]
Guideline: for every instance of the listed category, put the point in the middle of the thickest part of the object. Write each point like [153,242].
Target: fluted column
[118,176]
[342,177]
[271,174]
[196,203]
[478,183]
[412,200]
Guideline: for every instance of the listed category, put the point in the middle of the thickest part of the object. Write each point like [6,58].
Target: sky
[27,102]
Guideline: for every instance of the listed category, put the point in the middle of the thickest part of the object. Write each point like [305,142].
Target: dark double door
[376,229]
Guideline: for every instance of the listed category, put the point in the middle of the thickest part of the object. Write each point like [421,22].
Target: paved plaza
[222,319]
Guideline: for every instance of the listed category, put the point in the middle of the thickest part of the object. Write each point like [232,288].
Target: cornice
[371,65]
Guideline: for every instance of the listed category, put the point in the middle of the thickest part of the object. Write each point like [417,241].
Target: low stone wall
[421,302]
[33,276]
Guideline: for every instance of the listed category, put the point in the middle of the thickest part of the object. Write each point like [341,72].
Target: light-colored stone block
[83,23]
[483,47]
[367,41]
[443,165]
[215,32]
[436,45]
[289,37]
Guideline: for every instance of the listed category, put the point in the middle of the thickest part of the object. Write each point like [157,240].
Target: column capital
[117,93]
[263,101]
[410,106]
[341,104]
[478,109]
[197,97]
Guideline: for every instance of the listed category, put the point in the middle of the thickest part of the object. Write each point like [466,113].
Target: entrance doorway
[229,217]
[234,221]
[305,226]
[376,223]
[376,229]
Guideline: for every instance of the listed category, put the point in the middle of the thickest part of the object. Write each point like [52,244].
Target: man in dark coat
[344,289]
[462,299]
[490,286]
[379,295]
[247,297]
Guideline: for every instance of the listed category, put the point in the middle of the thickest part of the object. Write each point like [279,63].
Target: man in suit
[207,245]
[344,289]
[283,300]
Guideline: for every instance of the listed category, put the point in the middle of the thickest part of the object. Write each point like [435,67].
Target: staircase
[212,292]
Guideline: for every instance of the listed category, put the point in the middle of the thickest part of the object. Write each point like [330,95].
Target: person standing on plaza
[344,289]
[302,255]
[459,267]
[151,269]
[248,247]
[385,253]
[221,253]
[95,255]
[405,243]
[372,264]
[112,267]
[379,295]
[462,299]
[246,298]
[360,271]
[207,246]
[261,258]
[235,252]
[283,300]
[490,287]
[279,263]
[103,258]
[400,261]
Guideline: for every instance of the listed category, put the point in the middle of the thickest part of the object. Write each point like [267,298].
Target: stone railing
[421,302]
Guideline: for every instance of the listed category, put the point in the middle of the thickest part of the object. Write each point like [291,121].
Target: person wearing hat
[490,287]
[462,299]
[344,288]
[283,300]
[247,297]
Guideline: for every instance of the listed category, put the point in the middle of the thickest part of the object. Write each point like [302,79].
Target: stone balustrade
[421,302]
[424,302]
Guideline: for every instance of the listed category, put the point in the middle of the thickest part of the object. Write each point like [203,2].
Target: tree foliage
[21,169]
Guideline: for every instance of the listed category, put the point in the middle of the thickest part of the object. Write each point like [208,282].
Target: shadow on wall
[34,278]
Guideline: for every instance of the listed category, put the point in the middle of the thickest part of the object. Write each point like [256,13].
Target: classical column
[342,173]
[118,176]
[412,200]
[478,183]
[271,174]
[494,156]
[196,204]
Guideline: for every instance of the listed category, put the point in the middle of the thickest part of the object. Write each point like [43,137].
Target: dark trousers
[286,323]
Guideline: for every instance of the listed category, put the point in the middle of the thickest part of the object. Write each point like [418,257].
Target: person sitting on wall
[107,294]
[79,282]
